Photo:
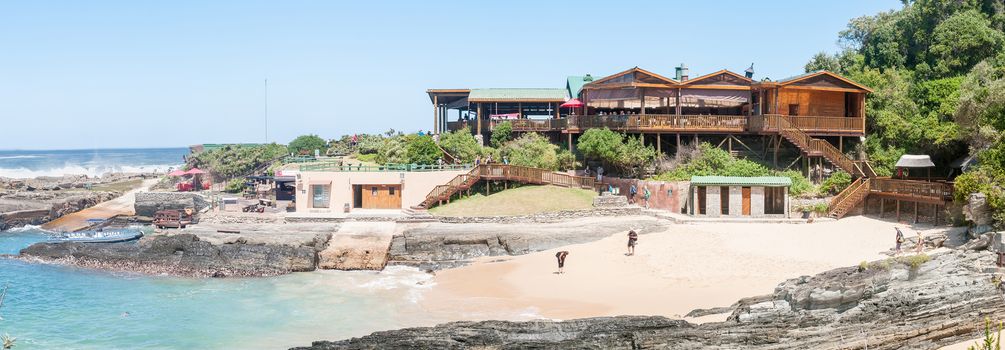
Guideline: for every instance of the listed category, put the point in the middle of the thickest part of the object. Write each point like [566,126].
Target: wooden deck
[672,123]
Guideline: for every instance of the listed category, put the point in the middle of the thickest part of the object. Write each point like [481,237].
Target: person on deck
[633,239]
[478,160]
[561,260]
[488,160]
[505,160]
[600,174]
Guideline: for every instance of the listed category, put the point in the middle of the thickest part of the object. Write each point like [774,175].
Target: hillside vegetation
[519,201]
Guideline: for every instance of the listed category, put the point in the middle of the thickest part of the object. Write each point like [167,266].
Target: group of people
[633,240]
[919,246]
[488,160]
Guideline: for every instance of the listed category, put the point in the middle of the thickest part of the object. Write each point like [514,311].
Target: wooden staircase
[845,201]
[515,173]
[816,147]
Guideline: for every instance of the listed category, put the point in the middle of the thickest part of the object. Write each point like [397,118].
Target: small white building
[332,189]
[738,196]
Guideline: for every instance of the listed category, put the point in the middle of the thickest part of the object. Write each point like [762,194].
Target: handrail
[509,173]
[341,167]
[914,188]
[782,125]
[856,191]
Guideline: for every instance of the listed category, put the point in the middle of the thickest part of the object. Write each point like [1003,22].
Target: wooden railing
[508,173]
[557,124]
[849,197]
[809,144]
[913,188]
[828,124]
[661,122]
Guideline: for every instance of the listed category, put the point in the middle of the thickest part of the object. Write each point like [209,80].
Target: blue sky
[109,74]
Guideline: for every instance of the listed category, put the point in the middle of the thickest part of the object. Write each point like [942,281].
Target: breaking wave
[92,171]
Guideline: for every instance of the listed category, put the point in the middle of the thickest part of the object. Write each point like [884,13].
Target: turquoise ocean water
[61,307]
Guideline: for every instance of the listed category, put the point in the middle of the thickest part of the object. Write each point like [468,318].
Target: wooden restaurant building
[722,105]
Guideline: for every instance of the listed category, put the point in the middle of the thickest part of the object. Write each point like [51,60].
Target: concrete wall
[713,202]
[667,195]
[414,186]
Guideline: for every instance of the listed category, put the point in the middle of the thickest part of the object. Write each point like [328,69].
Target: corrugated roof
[768,181]
[517,94]
[794,77]
[915,161]
[575,84]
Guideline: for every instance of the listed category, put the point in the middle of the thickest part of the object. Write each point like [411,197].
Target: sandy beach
[673,272]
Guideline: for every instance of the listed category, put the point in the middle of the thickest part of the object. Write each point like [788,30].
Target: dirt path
[123,205]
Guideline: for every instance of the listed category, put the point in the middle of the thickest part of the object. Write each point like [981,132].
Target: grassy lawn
[518,201]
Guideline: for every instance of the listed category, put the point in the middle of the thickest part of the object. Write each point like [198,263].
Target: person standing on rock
[900,238]
[561,260]
[633,239]
[921,243]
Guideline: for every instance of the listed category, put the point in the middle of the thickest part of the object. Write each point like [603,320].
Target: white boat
[114,236]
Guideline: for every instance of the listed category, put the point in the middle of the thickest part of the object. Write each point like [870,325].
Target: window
[390,190]
[724,200]
[320,196]
[373,191]
[793,109]
[774,200]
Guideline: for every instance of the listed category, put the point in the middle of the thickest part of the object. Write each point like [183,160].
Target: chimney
[588,77]
[682,73]
[750,71]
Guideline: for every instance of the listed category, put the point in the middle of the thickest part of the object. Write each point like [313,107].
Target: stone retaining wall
[148,203]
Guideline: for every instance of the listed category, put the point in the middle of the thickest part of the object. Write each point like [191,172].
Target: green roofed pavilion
[766,181]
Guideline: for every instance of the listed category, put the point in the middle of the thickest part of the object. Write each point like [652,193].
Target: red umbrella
[178,172]
[573,103]
[194,171]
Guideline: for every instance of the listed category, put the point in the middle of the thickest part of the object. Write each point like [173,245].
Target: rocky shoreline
[43,199]
[890,304]
[182,255]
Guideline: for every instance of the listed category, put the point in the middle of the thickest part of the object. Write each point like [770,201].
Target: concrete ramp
[358,246]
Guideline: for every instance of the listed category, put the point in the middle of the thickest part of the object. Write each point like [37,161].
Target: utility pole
[266,110]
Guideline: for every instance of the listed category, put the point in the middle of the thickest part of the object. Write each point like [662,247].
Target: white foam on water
[20,157]
[413,280]
[91,171]
[31,228]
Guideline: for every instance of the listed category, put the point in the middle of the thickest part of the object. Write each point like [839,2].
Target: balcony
[671,123]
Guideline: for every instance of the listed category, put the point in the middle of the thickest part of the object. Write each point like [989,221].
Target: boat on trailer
[99,236]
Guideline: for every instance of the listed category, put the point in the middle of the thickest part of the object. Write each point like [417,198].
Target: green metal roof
[515,94]
[575,84]
[800,76]
[767,181]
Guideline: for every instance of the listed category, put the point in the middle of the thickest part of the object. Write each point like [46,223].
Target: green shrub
[235,185]
[461,145]
[991,339]
[800,184]
[836,183]
[915,261]
[422,150]
[306,144]
[862,266]
[237,160]
[501,133]
[531,150]
[368,158]
[820,208]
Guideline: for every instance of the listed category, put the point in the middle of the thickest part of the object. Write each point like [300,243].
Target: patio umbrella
[194,171]
[573,103]
[178,172]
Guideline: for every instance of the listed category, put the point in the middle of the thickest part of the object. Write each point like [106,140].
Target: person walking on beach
[633,239]
[900,238]
[561,260]
[645,195]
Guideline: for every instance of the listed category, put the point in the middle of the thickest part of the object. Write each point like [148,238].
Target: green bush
[235,185]
[915,261]
[800,184]
[532,150]
[991,340]
[836,183]
[237,160]
[501,133]
[626,154]
[422,150]
[306,144]
[393,150]
[461,145]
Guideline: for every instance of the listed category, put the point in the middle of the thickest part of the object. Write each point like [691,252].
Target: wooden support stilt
[730,138]
[841,144]
[898,210]
[678,142]
[915,212]
[936,214]
[882,202]
[659,144]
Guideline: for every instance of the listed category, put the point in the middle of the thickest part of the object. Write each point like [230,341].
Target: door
[746,201]
[381,196]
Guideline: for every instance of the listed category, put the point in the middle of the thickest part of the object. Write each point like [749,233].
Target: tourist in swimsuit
[561,260]
[633,239]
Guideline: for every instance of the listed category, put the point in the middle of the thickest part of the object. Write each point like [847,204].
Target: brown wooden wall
[381,196]
[812,102]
